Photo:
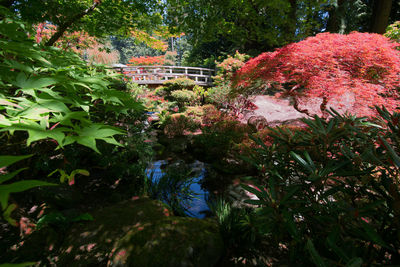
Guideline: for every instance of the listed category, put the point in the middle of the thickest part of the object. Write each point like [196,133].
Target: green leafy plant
[53,95]
[7,188]
[331,191]
[59,219]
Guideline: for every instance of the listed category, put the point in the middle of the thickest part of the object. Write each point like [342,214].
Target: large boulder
[139,232]
[173,241]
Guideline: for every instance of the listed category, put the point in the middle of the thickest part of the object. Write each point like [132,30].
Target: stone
[173,241]
[138,232]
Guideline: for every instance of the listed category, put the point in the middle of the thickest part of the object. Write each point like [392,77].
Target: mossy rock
[143,231]
[172,241]
[89,244]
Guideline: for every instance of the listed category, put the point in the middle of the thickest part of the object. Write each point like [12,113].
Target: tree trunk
[6,3]
[292,21]
[335,20]
[64,26]
[380,16]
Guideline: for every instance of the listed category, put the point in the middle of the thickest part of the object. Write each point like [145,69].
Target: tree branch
[63,27]
[296,107]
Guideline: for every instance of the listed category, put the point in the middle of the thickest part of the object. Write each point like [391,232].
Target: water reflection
[178,184]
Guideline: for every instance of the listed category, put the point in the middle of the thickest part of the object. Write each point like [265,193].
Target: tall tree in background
[380,16]
[248,26]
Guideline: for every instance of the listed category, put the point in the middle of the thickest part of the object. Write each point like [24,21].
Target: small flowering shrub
[221,94]
[228,67]
[328,194]
[348,72]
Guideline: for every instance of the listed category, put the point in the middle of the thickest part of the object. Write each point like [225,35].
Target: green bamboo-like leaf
[8,176]
[291,225]
[316,258]
[7,214]
[302,162]
[289,194]
[254,202]
[332,245]
[257,193]
[355,262]
[8,160]
[83,217]
[25,264]
[271,185]
[19,186]
[372,234]
[392,153]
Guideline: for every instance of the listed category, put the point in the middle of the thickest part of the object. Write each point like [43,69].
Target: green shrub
[160,91]
[179,84]
[330,192]
[219,95]
[135,89]
[184,97]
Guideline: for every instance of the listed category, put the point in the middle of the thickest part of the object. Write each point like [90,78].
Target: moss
[139,232]
[173,241]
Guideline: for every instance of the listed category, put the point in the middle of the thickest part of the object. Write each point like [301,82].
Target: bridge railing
[159,74]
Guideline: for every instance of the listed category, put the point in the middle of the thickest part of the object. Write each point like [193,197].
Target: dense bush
[329,193]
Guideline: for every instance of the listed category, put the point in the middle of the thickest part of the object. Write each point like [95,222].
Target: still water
[167,178]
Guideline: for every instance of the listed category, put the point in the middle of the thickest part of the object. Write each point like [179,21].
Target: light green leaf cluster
[53,94]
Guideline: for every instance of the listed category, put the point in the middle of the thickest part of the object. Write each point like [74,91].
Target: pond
[178,184]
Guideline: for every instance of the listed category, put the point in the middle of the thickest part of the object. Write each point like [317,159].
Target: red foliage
[147,61]
[78,41]
[348,72]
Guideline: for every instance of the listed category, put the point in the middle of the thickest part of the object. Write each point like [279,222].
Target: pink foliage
[348,72]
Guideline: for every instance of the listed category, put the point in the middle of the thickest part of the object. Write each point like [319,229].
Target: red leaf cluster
[147,61]
[348,72]
[78,41]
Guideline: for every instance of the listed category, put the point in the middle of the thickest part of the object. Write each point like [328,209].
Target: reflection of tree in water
[172,184]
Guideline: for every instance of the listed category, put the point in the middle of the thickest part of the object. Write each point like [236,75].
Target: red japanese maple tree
[147,61]
[347,72]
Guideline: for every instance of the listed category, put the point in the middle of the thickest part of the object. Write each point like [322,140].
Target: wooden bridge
[154,75]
